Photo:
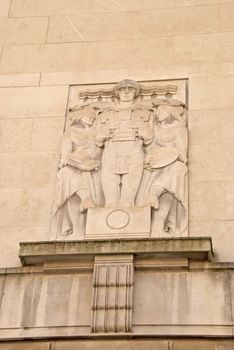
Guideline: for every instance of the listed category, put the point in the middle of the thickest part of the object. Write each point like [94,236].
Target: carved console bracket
[112,302]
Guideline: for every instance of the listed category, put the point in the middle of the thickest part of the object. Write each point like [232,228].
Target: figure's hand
[62,162]
[148,164]
[184,158]
[146,134]
[103,135]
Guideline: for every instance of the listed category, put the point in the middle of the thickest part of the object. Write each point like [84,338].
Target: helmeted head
[167,108]
[127,90]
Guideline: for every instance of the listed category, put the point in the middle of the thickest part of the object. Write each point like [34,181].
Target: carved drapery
[124,148]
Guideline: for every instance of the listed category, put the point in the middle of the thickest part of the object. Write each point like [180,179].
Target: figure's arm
[66,150]
[102,135]
[146,134]
[182,143]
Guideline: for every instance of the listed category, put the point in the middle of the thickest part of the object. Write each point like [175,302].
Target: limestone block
[210,201]
[24,170]
[203,344]
[227,68]
[222,236]
[33,300]
[199,2]
[210,162]
[102,76]
[211,126]
[25,346]
[15,80]
[118,223]
[112,344]
[182,298]
[46,134]
[83,77]
[2,282]
[15,135]
[25,207]
[15,304]
[226,18]
[23,30]
[226,46]
[197,47]
[178,70]
[31,135]
[4,7]
[33,101]
[232,292]
[21,8]
[10,238]
[128,25]
[87,56]
[211,92]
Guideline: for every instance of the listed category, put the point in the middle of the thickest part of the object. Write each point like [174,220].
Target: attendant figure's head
[127,90]
[169,110]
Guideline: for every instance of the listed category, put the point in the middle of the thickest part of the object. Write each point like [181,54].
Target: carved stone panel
[123,160]
[112,302]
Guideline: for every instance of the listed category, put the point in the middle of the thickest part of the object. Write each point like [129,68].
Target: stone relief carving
[125,148]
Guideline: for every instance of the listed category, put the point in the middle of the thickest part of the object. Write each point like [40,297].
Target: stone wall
[48,44]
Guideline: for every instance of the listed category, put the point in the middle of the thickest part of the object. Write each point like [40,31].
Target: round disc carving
[117,219]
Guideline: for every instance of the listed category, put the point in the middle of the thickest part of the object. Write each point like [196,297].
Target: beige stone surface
[227,47]
[113,344]
[203,345]
[227,68]
[221,233]
[190,48]
[50,57]
[211,201]
[4,7]
[11,236]
[131,222]
[87,55]
[139,74]
[211,92]
[66,7]
[226,12]
[25,207]
[195,298]
[33,102]
[23,30]
[15,80]
[35,300]
[208,162]
[200,2]
[25,346]
[31,135]
[232,293]
[130,25]
[26,170]
[211,127]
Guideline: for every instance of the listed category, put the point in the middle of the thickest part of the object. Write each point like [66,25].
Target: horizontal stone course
[21,8]
[117,54]
[132,25]
[39,252]
[33,102]
[23,30]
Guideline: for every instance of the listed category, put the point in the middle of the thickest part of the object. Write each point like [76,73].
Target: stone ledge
[194,248]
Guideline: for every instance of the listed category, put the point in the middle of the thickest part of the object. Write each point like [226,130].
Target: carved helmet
[127,82]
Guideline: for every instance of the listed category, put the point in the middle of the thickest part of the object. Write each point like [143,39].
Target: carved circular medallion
[117,219]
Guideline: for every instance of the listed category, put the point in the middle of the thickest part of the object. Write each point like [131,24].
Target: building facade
[142,93]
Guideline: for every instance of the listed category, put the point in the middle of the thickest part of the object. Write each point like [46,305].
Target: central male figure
[124,129]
